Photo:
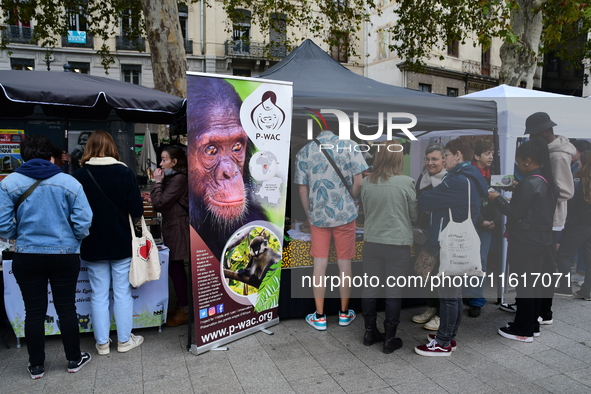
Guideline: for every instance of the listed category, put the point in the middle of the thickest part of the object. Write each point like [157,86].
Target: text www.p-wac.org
[222,332]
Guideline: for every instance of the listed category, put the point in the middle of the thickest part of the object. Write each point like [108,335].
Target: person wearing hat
[561,151]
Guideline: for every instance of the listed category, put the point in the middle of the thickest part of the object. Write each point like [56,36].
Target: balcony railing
[18,34]
[240,48]
[188,47]
[474,67]
[126,44]
[89,42]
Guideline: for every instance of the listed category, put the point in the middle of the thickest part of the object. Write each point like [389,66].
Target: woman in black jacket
[529,224]
[578,226]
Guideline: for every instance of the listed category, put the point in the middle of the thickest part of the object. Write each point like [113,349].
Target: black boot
[391,343]
[372,334]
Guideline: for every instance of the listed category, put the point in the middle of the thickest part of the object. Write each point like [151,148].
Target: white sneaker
[425,316]
[134,341]
[433,324]
[104,349]
[578,279]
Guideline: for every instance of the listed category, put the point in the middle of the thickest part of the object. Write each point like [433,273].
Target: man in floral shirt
[331,212]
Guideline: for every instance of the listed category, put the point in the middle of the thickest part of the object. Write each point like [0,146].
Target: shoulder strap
[26,194]
[102,191]
[335,167]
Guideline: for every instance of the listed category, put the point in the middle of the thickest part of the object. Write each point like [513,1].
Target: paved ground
[299,359]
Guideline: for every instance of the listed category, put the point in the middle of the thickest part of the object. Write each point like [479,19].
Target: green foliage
[18,326]
[269,289]
[147,319]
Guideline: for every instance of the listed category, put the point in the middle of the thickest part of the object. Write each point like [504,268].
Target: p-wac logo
[344,132]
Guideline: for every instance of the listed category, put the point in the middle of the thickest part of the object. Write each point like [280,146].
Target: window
[384,43]
[129,22]
[452,92]
[339,50]
[129,40]
[79,67]
[552,63]
[453,48]
[22,64]
[278,35]
[241,31]
[131,73]
[425,87]
[18,30]
[184,20]
[485,62]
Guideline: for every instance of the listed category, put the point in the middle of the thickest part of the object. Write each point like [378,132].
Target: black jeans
[574,236]
[526,262]
[32,272]
[382,261]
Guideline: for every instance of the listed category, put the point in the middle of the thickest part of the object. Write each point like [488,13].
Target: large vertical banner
[238,149]
[10,150]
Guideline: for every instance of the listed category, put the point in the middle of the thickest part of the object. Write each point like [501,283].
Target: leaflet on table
[239,135]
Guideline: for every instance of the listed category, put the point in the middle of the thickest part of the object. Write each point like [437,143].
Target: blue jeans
[100,274]
[450,298]
[32,272]
[476,294]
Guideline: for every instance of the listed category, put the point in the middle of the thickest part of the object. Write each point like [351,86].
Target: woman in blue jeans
[113,195]
[451,193]
[50,224]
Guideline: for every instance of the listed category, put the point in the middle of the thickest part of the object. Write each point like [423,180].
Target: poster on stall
[238,133]
[150,301]
[10,151]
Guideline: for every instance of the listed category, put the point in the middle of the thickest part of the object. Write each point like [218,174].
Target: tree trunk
[519,60]
[167,49]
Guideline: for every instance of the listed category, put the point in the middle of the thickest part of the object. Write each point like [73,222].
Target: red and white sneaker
[433,349]
[510,334]
[453,343]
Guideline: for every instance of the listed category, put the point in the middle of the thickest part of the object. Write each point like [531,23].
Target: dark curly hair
[537,150]
[36,147]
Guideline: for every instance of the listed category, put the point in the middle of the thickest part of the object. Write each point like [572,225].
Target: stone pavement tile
[497,349]
[383,390]
[398,372]
[319,342]
[431,366]
[156,372]
[118,386]
[581,375]
[300,368]
[586,325]
[359,380]
[564,385]
[270,388]
[580,351]
[373,355]
[501,379]
[290,349]
[467,358]
[168,385]
[339,361]
[79,386]
[559,361]
[317,384]
[574,333]
[424,386]
[530,369]
[461,382]
[129,372]
[538,345]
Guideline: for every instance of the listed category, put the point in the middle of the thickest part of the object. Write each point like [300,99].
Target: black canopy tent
[319,81]
[71,95]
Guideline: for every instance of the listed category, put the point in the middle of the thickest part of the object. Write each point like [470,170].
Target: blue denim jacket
[52,220]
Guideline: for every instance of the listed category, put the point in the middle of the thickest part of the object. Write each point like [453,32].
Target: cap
[538,122]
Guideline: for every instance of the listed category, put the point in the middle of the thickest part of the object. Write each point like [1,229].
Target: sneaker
[318,323]
[579,294]
[565,291]
[536,333]
[133,342]
[512,308]
[578,279]
[433,324]
[425,316]
[545,322]
[346,318]
[432,349]
[508,333]
[36,372]
[103,349]
[75,366]
[474,311]
[453,343]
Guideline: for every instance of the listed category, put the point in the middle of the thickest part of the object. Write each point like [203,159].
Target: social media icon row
[211,311]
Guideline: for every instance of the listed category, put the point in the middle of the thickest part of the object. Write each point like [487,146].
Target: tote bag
[145,263]
[460,247]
